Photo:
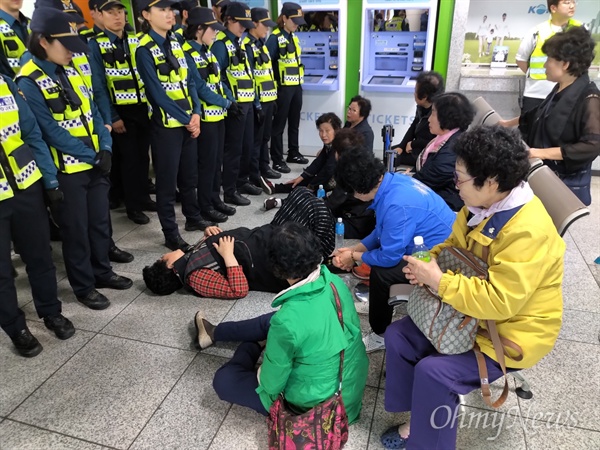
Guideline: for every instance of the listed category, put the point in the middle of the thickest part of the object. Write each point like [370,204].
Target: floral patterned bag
[323,427]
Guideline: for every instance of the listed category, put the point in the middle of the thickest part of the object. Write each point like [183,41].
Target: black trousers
[236,381]
[175,158]
[289,105]
[23,219]
[210,159]
[130,155]
[84,221]
[262,135]
[238,147]
[380,313]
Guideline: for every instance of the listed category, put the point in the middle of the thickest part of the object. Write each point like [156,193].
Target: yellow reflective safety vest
[544,31]
[12,45]
[81,63]
[209,70]
[18,169]
[289,64]
[238,70]
[77,120]
[172,79]
[87,33]
[264,78]
[122,78]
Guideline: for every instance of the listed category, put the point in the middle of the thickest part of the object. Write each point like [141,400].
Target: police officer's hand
[119,127]
[54,196]
[194,126]
[259,116]
[103,161]
[235,110]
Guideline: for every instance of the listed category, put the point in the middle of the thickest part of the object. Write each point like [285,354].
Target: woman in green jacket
[304,337]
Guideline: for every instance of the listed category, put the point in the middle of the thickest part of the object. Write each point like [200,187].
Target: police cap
[262,15]
[294,12]
[61,26]
[204,16]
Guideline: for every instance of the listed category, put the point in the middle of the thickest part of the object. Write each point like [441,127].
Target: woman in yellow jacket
[522,293]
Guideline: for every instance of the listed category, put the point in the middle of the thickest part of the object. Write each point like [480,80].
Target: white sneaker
[362,308]
[373,342]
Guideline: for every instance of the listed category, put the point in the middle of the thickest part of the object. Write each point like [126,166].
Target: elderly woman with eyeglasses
[356,118]
[522,293]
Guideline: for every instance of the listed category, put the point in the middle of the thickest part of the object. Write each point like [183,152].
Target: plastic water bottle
[320,192]
[339,233]
[420,251]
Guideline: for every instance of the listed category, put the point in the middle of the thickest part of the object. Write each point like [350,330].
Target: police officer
[14,34]
[236,72]
[530,58]
[175,121]
[217,7]
[118,88]
[81,63]
[23,220]
[285,51]
[217,101]
[81,149]
[266,96]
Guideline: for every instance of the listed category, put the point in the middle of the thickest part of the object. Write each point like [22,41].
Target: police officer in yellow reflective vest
[237,74]
[285,52]
[81,149]
[119,89]
[14,34]
[266,96]
[81,63]
[175,119]
[531,59]
[217,102]
[26,169]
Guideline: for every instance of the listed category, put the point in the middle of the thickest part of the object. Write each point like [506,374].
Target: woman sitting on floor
[302,357]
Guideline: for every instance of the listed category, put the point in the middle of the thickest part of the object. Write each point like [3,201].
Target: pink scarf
[433,147]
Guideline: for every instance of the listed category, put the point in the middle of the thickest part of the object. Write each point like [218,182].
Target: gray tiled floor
[130,379]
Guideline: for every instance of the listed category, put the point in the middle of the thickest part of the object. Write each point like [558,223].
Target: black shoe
[115,282]
[250,189]
[236,199]
[296,158]
[63,328]
[149,205]
[271,174]
[151,187]
[138,217]
[225,209]
[197,225]
[281,167]
[95,300]
[212,215]
[26,343]
[266,186]
[115,254]
[177,243]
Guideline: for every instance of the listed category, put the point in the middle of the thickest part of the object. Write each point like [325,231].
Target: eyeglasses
[569,2]
[458,183]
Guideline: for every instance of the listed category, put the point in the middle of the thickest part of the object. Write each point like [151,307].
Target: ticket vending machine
[397,45]
[322,40]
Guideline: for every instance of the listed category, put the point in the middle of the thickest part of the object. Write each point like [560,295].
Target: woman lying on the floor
[304,337]
[227,264]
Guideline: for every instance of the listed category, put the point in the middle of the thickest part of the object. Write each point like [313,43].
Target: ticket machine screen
[395,43]
[319,43]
